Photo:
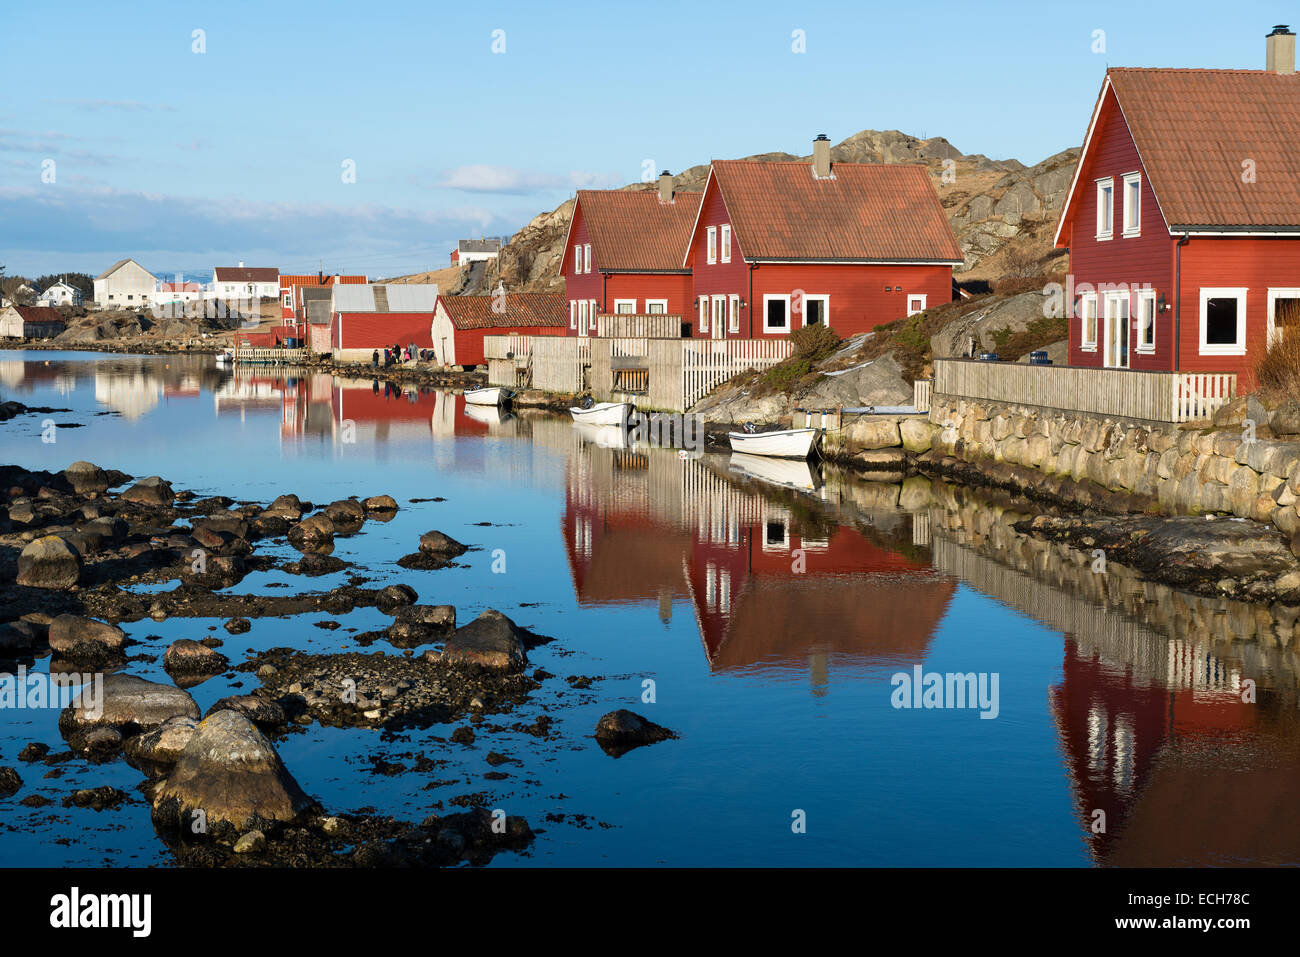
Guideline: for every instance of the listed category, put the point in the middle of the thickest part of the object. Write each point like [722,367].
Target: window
[915,304]
[1133,204]
[1116,316]
[656,307]
[1088,315]
[577,260]
[704,314]
[582,317]
[719,315]
[288,301]
[573,314]
[712,233]
[726,243]
[586,256]
[625,306]
[1105,208]
[1283,313]
[1146,324]
[1223,322]
[776,313]
[816,310]
[733,322]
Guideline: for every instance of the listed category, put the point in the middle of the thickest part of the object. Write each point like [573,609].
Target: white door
[718,322]
[1116,332]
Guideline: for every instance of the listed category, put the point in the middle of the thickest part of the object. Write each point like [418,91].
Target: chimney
[241,264]
[822,157]
[1279,50]
[665,187]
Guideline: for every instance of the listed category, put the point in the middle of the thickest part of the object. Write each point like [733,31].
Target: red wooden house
[778,246]
[289,286]
[378,316]
[461,322]
[623,254]
[1183,220]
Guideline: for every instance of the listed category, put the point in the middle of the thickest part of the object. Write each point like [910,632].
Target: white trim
[568,232]
[711,244]
[704,313]
[824,299]
[1225,292]
[699,211]
[724,243]
[621,302]
[859,262]
[1135,229]
[1229,233]
[1274,294]
[656,302]
[1104,184]
[1145,296]
[719,317]
[586,254]
[573,314]
[1114,300]
[1086,299]
[768,297]
[733,313]
[910,297]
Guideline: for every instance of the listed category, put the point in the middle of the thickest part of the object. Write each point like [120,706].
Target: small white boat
[225,358]
[493,395]
[785,444]
[603,413]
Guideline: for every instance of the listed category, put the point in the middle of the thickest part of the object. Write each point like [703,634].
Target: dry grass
[1277,371]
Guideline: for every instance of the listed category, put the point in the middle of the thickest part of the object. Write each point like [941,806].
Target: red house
[461,322]
[778,246]
[1183,220]
[289,286]
[378,316]
[623,254]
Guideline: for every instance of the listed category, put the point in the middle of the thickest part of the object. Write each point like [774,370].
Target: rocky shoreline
[72,553]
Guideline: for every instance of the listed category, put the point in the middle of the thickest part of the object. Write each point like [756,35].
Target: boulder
[441,546]
[17,636]
[237,626]
[392,597]
[917,434]
[986,325]
[261,711]
[150,491]
[490,641]
[232,774]
[10,782]
[620,731]
[155,752]
[380,503]
[348,515]
[313,534]
[85,639]
[86,477]
[130,705]
[49,562]
[419,624]
[190,658]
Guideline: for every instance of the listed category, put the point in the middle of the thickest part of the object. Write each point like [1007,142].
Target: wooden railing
[707,363]
[262,355]
[1122,393]
[639,325]
[502,347]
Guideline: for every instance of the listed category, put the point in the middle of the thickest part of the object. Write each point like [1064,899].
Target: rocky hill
[1002,211]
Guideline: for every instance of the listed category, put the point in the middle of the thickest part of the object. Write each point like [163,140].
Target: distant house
[461,322]
[375,316]
[1183,220]
[778,246]
[475,250]
[290,285]
[30,322]
[623,254]
[125,285]
[243,282]
[169,293]
[60,294]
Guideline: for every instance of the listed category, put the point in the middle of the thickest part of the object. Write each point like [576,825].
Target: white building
[60,294]
[475,250]
[168,293]
[125,285]
[243,282]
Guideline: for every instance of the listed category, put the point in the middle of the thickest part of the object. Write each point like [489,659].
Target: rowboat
[603,413]
[225,358]
[790,473]
[785,444]
[493,395]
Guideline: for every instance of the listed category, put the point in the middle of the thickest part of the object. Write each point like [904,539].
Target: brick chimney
[665,187]
[822,157]
[1279,50]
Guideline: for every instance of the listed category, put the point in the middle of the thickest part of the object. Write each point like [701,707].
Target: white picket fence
[707,363]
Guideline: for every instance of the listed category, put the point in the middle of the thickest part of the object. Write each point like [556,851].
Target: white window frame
[726,242]
[1112,300]
[911,297]
[711,238]
[1085,300]
[586,255]
[573,314]
[821,297]
[733,313]
[1285,292]
[1104,184]
[624,302]
[577,259]
[656,302]
[288,300]
[768,297]
[1132,211]
[1146,297]
[1225,292]
[582,317]
[704,313]
[719,317]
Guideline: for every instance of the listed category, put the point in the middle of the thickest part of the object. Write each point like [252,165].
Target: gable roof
[316,279]
[522,309]
[39,314]
[118,265]
[246,274]
[862,212]
[631,231]
[57,284]
[478,246]
[380,297]
[1194,129]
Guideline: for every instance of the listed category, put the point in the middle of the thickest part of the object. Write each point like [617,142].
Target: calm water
[770,605]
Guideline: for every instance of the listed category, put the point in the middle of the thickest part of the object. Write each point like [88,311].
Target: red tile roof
[1195,128]
[245,274]
[522,309]
[39,314]
[314,279]
[863,212]
[631,231]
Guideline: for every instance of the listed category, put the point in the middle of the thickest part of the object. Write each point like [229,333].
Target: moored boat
[603,413]
[493,395]
[225,358]
[783,444]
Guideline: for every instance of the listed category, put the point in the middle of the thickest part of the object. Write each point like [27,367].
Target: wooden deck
[258,355]
[638,325]
[1120,393]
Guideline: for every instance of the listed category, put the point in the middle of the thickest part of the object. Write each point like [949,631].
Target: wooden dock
[262,356]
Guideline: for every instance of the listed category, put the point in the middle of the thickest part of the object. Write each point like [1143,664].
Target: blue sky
[184,160]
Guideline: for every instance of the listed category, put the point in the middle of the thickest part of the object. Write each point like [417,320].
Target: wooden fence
[639,325]
[921,394]
[261,355]
[1122,393]
[707,363]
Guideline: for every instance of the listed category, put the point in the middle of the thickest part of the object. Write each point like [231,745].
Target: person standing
[374,359]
